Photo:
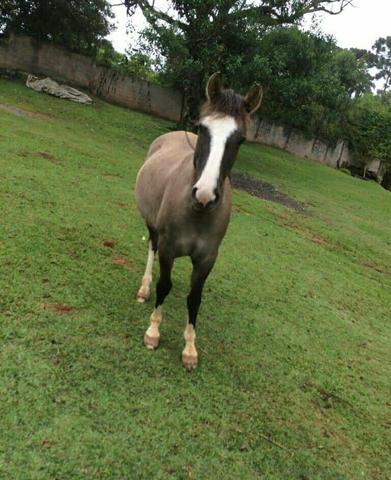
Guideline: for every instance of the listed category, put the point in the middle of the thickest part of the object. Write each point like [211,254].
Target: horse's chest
[187,245]
[195,238]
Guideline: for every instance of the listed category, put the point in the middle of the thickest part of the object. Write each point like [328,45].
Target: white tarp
[51,87]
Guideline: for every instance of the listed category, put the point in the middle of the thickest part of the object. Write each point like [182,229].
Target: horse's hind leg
[145,290]
[201,270]
[163,287]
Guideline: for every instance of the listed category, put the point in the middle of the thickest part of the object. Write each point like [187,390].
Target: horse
[183,192]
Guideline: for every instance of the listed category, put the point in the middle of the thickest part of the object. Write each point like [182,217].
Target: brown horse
[183,192]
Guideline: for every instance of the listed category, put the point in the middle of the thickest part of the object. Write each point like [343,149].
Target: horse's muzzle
[200,207]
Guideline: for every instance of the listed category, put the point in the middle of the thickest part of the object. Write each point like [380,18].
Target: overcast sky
[357,26]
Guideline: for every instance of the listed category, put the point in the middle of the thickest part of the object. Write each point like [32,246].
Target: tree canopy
[370,128]
[309,82]
[194,38]
[381,60]
[77,25]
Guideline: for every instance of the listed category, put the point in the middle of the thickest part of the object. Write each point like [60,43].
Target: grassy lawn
[294,333]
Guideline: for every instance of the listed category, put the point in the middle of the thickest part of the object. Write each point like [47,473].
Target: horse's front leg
[201,269]
[163,287]
[144,291]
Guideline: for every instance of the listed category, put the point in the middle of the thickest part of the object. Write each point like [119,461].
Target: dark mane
[227,103]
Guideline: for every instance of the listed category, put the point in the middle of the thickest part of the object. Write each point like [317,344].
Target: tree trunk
[386,182]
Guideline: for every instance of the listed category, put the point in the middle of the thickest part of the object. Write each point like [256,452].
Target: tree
[309,82]
[132,63]
[77,25]
[197,37]
[370,130]
[381,59]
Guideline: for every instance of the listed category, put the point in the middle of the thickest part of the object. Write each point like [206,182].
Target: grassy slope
[294,331]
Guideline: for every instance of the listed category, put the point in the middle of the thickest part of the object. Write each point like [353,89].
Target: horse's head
[222,129]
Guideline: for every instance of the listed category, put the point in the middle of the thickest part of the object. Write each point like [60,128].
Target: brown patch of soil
[46,443]
[60,308]
[238,208]
[307,234]
[118,260]
[264,190]
[45,155]
[121,205]
[319,240]
[111,175]
[123,262]
[287,222]
[23,154]
[19,112]
[48,156]
[109,243]
[377,268]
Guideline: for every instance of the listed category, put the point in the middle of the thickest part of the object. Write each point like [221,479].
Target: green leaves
[78,26]
[194,38]
[381,59]
[370,128]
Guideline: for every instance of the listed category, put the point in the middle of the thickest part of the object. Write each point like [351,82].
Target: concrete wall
[294,141]
[25,54]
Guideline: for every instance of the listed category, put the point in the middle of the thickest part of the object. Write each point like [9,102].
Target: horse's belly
[154,178]
[150,186]
[148,196]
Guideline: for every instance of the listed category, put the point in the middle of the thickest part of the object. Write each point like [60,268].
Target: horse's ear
[253,98]
[213,87]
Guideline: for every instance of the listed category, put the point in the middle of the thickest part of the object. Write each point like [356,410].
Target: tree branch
[342,6]
[282,14]
[151,13]
[275,12]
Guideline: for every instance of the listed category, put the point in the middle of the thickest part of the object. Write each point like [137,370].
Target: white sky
[357,26]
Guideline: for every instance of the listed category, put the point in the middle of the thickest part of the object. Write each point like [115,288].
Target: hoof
[151,342]
[189,362]
[142,295]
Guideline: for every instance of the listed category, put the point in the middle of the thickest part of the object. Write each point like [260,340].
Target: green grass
[294,333]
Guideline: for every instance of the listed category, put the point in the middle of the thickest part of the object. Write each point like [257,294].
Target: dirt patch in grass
[109,243]
[48,156]
[311,236]
[123,262]
[264,190]
[286,220]
[377,268]
[63,309]
[307,234]
[59,308]
[113,176]
[120,205]
[238,208]
[19,112]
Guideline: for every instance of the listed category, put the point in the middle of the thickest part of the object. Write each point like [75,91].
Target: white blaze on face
[220,129]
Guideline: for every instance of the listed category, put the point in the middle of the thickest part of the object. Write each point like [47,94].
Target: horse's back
[164,156]
[178,142]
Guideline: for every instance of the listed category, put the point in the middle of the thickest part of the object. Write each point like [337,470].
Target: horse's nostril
[203,199]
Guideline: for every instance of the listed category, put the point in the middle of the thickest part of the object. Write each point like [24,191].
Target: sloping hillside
[294,332]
